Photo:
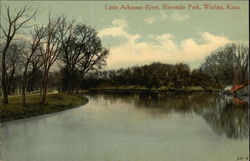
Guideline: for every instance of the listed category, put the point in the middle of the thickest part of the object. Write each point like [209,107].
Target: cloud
[162,48]
[121,23]
[176,16]
[118,29]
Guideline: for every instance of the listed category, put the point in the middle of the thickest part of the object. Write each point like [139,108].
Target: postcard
[132,80]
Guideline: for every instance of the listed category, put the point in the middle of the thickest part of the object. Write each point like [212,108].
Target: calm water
[193,127]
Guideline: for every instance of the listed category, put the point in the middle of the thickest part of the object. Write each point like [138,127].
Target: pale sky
[137,37]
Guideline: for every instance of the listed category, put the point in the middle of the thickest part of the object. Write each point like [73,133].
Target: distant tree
[181,75]
[200,78]
[155,74]
[35,80]
[138,76]
[12,24]
[54,80]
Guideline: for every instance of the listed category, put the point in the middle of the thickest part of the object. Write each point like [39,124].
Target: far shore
[55,102]
[136,89]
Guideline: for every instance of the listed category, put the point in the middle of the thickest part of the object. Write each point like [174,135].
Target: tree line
[227,65]
[72,48]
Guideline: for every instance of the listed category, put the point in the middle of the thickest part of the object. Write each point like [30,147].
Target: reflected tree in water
[229,119]
[221,114]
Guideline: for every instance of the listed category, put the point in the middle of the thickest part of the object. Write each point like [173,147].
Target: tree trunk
[9,83]
[45,84]
[5,93]
[4,85]
[23,92]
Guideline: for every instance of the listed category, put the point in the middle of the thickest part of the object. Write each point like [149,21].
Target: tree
[241,62]
[153,75]
[200,78]
[228,64]
[13,66]
[181,75]
[68,56]
[50,51]
[82,51]
[14,24]
[31,58]
[34,82]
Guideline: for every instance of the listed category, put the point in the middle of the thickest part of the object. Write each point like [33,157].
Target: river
[133,127]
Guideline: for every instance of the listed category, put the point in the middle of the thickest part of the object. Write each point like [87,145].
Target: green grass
[55,102]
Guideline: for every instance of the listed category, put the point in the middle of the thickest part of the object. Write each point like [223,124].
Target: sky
[137,37]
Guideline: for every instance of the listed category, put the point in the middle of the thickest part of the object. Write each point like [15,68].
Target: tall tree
[31,58]
[50,51]
[241,62]
[228,64]
[12,24]
[13,65]
[82,51]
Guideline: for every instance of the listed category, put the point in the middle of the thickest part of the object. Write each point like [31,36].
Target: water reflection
[223,114]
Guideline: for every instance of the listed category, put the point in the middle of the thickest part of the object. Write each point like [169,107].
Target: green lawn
[55,102]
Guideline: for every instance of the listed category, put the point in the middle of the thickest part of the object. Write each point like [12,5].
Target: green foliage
[181,75]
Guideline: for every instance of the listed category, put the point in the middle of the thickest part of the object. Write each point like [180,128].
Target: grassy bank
[55,102]
[141,89]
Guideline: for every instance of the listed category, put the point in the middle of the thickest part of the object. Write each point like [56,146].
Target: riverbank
[138,89]
[55,102]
